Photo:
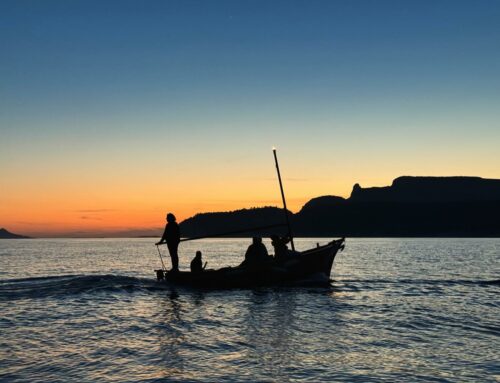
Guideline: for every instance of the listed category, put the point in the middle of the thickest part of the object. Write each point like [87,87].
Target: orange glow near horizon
[71,219]
[56,210]
[114,188]
[115,207]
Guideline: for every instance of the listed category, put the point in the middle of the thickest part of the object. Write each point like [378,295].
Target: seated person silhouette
[281,251]
[196,263]
[256,254]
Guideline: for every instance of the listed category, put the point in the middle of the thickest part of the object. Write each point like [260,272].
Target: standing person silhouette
[172,236]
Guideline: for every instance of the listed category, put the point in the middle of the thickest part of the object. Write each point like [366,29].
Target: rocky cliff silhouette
[411,206]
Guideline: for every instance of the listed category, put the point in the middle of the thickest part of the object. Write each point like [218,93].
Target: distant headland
[410,207]
[5,234]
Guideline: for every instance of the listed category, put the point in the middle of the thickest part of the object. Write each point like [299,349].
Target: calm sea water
[398,310]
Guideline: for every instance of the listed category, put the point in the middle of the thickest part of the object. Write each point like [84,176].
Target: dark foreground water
[398,310]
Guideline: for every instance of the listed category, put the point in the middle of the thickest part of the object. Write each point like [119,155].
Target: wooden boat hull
[310,267]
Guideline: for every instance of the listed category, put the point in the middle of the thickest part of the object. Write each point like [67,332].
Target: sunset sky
[113,113]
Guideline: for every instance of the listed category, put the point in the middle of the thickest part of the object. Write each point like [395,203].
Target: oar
[233,232]
[230,232]
[161,258]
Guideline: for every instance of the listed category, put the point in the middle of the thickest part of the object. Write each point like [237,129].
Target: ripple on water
[398,310]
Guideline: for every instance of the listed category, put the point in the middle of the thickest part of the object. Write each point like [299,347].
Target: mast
[284,200]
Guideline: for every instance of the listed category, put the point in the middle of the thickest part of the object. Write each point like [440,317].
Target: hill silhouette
[213,223]
[431,189]
[410,207]
[5,234]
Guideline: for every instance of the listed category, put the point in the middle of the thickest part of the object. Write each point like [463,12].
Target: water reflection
[391,316]
[270,323]
[170,334]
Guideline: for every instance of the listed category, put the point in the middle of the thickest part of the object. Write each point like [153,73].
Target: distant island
[410,207]
[5,234]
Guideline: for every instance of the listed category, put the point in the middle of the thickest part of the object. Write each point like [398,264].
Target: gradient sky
[114,112]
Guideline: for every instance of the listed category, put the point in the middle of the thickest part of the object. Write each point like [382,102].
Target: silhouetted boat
[310,267]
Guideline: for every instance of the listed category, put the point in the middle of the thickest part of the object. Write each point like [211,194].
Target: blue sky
[248,58]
